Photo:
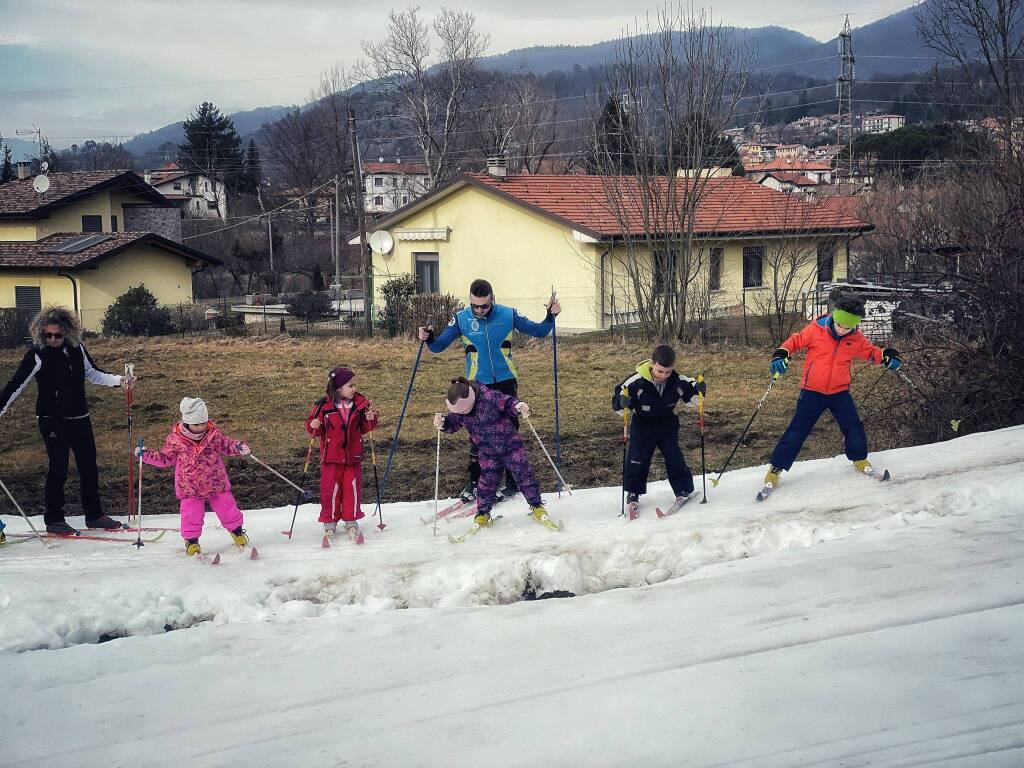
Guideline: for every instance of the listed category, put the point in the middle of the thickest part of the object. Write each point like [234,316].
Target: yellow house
[593,237]
[87,239]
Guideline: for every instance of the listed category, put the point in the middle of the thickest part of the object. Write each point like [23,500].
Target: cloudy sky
[108,68]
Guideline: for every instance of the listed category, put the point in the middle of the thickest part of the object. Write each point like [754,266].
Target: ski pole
[401,418]
[714,481]
[437,478]
[554,357]
[21,512]
[266,466]
[138,541]
[565,485]
[625,444]
[129,372]
[376,482]
[301,495]
[700,423]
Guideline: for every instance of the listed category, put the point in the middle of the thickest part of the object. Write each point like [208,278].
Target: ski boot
[863,465]
[468,494]
[238,536]
[632,506]
[3,536]
[330,530]
[61,528]
[192,547]
[772,477]
[104,522]
[356,535]
[507,491]
[483,519]
[540,514]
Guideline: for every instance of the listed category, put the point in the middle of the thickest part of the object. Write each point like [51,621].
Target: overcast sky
[102,49]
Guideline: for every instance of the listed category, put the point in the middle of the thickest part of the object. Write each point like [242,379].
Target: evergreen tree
[252,174]
[612,151]
[212,145]
[7,167]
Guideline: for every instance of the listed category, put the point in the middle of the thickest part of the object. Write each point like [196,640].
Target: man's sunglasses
[481,307]
[49,335]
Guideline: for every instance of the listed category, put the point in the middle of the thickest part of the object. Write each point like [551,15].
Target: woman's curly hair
[55,314]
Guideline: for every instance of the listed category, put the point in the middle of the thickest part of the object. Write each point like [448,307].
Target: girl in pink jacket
[194,448]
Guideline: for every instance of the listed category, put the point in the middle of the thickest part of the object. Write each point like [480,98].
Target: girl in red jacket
[832,342]
[340,420]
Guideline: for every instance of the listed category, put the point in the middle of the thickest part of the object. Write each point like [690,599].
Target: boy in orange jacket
[832,342]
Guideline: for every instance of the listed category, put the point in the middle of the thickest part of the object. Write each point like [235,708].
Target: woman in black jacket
[60,364]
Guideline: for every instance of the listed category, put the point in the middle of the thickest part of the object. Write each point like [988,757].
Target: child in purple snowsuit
[487,415]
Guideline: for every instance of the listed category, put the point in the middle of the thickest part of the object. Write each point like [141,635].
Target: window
[177,185]
[378,181]
[113,223]
[394,181]
[715,269]
[427,275]
[753,259]
[92,223]
[27,300]
[405,199]
[826,262]
[664,271]
[378,200]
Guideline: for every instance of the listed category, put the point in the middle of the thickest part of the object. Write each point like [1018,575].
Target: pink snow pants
[341,491]
[193,510]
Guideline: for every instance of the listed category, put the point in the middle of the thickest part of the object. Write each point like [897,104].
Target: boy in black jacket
[652,394]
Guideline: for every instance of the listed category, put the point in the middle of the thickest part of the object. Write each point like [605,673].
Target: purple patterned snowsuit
[498,443]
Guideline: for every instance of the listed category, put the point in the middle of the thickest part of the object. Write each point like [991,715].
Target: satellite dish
[40,184]
[44,167]
[382,242]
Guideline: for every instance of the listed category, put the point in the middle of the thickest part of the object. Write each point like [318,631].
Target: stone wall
[153,218]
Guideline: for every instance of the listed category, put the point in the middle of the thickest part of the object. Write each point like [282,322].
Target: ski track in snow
[842,623]
[123,592]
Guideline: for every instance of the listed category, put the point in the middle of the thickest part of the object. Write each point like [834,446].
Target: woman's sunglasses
[49,335]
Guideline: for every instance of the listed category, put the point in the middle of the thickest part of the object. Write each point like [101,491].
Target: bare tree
[429,92]
[517,120]
[674,87]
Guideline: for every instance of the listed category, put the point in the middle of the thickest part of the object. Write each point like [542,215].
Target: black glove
[624,401]
[701,388]
[780,361]
[891,359]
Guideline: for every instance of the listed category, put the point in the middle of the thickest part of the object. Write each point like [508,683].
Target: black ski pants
[643,439]
[61,436]
[506,387]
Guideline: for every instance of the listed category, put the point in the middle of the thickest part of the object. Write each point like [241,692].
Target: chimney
[497,166]
[24,169]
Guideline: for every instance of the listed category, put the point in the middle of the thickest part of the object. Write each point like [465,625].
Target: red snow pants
[341,491]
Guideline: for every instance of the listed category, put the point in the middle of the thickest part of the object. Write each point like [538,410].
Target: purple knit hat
[339,377]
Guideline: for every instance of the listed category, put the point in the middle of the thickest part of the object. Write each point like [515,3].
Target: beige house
[87,239]
[585,236]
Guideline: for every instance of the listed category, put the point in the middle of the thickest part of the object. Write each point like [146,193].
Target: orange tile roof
[785,164]
[31,254]
[730,205]
[375,167]
[19,199]
[847,205]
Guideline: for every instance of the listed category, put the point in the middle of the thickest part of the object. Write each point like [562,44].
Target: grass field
[260,390]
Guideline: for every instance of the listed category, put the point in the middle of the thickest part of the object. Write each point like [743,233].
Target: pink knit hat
[463,404]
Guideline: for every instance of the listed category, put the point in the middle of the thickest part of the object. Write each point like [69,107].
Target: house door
[427,274]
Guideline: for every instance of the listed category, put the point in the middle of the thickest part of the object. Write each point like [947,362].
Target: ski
[356,538]
[875,476]
[674,507]
[205,559]
[473,531]
[446,511]
[633,511]
[765,492]
[355,535]
[87,538]
[547,522]
[18,538]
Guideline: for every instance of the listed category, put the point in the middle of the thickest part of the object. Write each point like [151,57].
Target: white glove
[523,409]
[438,420]
[243,449]
[138,452]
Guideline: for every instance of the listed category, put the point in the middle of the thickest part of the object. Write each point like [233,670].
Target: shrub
[310,306]
[135,313]
[397,294]
[434,309]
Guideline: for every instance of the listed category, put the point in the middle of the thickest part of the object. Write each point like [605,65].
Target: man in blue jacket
[485,329]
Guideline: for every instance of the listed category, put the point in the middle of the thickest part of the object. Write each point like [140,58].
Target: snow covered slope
[898,641]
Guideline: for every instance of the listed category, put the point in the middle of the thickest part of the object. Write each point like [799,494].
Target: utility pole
[270,242]
[844,95]
[336,241]
[364,254]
